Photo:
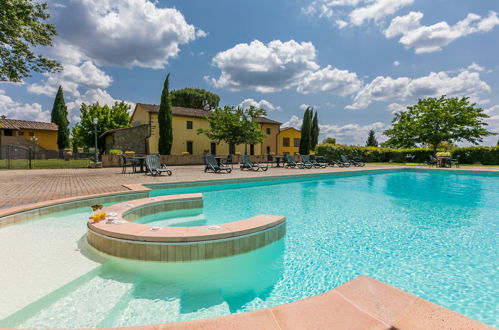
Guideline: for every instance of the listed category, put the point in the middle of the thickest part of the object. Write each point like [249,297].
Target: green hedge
[471,155]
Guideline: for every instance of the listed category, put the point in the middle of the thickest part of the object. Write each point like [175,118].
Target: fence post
[9,161]
[30,158]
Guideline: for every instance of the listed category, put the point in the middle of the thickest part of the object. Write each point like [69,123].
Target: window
[268,130]
[285,142]
[252,149]
[268,149]
[189,147]
[297,142]
[21,133]
[31,134]
[213,148]
[189,124]
[232,148]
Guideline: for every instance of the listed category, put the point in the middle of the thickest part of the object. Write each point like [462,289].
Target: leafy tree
[194,98]
[329,140]
[165,120]
[234,125]
[315,132]
[371,139]
[306,130]
[59,116]
[435,120]
[108,118]
[21,29]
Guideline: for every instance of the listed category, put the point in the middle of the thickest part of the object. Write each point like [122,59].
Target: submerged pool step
[85,307]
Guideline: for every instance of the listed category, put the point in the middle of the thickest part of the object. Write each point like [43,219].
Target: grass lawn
[46,163]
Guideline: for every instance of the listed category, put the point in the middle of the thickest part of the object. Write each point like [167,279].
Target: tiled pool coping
[144,242]
[362,303]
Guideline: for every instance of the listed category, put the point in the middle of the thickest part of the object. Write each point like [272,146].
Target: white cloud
[355,12]
[395,107]
[352,133]
[263,67]
[262,104]
[122,33]
[306,106]
[24,111]
[294,122]
[396,63]
[377,10]
[431,38]
[475,67]
[404,89]
[86,74]
[334,81]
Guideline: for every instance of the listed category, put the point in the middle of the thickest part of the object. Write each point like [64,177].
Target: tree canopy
[165,120]
[108,118]
[329,140]
[435,120]
[306,132]
[59,116]
[234,125]
[314,132]
[371,139]
[194,98]
[21,30]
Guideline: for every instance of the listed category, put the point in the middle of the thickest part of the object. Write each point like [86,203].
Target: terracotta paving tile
[257,320]
[376,298]
[325,311]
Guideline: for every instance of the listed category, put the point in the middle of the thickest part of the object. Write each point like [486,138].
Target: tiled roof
[199,113]
[27,124]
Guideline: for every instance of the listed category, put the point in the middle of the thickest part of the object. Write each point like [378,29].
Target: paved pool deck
[22,187]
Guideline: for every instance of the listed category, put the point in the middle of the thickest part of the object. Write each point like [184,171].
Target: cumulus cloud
[294,122]
[355,134]
[334,81]
[122,33]
[475,67]
[263,67]
[306,106]
[396,63]
[262,104]
[18,110]
[377,10]
[431,38]
[404,89]
[86,74]
[354,12]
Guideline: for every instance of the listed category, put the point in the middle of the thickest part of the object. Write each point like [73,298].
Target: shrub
[115,152]
[474,155]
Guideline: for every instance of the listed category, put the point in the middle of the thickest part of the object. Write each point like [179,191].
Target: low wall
[172,160]
[124,239]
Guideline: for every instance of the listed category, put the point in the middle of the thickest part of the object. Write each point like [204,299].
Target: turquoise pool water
[432,234]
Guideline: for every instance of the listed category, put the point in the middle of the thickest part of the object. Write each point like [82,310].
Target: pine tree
[165,121]
[306,129]
[315,132]
[59,116]
[371,140]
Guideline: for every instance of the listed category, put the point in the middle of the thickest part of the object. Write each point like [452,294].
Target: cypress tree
[165,121]
[59,116]
[371,140]
[315,132]
[306,129]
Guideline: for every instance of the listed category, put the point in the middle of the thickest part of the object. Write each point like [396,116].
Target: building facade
[43,134]
[289,141]
[186,122]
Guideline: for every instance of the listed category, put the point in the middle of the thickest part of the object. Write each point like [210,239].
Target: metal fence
[20,157]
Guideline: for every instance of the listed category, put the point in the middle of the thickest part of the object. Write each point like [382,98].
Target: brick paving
[21,187]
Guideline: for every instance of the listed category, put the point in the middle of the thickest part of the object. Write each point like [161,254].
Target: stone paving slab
[21,187]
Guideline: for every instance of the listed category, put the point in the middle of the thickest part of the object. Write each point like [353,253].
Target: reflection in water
[175,218]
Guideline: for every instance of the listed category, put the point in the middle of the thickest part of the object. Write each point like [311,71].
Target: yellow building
[289,141]
[42,134]
[186,122]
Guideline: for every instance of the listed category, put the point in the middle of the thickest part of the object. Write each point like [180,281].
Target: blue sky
[355,61]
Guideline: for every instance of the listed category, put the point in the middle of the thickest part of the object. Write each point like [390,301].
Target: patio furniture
[290,162]
[318,161]
[352,161]
[432,161]
[247,164]
[229,160]
[155,167]
[305,162]
[140,161]
[453,161]
[127,162]
[213,165]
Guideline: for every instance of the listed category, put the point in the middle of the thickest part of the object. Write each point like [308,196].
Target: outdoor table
[142,160]
[278,160]
[443,161]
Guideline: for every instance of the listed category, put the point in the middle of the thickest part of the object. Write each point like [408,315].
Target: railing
[21,157]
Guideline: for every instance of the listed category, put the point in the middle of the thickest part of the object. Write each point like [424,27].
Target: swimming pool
[433,234]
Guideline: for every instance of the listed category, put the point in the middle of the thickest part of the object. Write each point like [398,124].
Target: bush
[115,152]
[470,155]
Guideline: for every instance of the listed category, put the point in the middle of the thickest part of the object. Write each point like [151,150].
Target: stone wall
[129,139]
